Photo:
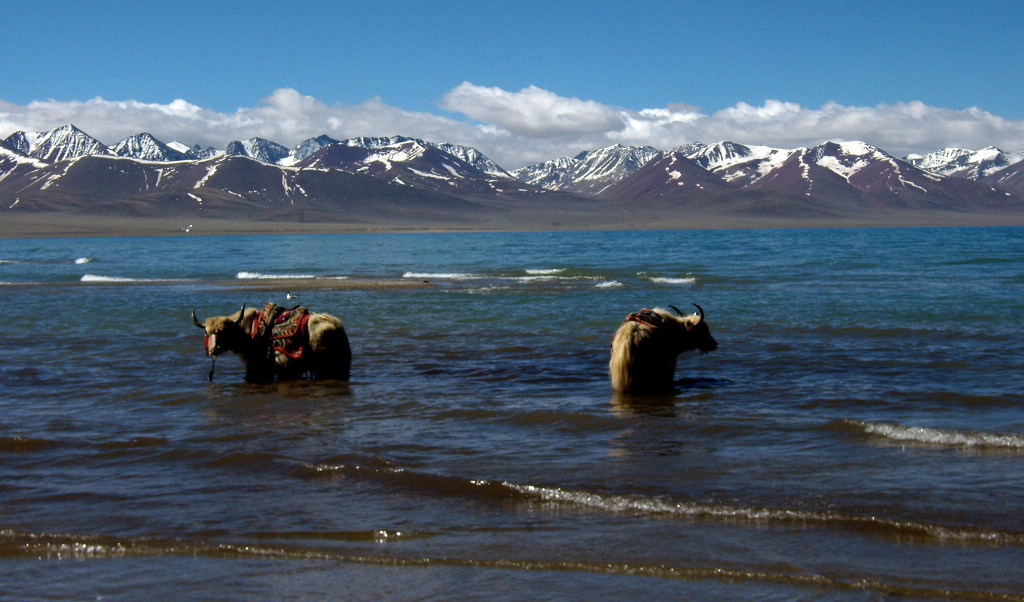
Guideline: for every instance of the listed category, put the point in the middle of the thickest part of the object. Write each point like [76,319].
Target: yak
[284,342]
[645,347]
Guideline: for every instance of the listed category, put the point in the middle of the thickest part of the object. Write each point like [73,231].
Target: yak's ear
[700,312]
[686,324]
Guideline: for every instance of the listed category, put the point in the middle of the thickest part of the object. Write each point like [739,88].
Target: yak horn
[700,312]
[241,313]
[196,320]
[678,313]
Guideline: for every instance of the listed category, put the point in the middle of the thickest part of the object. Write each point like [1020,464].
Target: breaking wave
[440,276]
[262,547]
[260,276]
[97,279]
[82,260]
[617,503]
[661,507]
[81,546]
[937,437]
[662,280]
[545,271]
[499,282]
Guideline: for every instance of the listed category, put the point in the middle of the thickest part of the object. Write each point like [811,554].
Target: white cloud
[528,126]
[532,111]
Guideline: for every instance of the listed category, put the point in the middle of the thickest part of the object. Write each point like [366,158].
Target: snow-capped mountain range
[66,168]
[68,142]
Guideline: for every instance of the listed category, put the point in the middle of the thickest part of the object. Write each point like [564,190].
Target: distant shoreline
[62,225]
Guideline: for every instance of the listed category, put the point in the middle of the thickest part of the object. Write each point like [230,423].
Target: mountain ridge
[66,169]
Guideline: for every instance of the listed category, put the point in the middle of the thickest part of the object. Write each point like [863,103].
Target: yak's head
[223,333]
[695,333]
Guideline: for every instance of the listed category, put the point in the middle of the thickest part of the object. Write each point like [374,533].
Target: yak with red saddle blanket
[280,342]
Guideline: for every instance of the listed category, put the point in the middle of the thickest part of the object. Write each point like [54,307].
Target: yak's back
[286,328]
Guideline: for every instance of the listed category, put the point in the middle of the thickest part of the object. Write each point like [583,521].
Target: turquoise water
[858,432]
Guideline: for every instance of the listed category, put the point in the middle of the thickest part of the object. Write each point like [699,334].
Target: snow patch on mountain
[15,158]
[65,142]
[963,163]
[738,164]
[306,148]
[146,148]
[210,171]
[723,155]
[259,149]
[424,174]
[20,142]
[847,158]
[590,172]
[474,158]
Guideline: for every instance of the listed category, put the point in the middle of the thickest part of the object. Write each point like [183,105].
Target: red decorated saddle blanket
[646,317]
[285,327]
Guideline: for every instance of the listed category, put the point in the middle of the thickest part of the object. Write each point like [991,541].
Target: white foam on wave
[547,278]
[261,276]
[82,260]
[506,281]
[609,284]
[637,504]
[943,437]
[484,290]
[663,280]
[440,276]
[98,278]
[545,271]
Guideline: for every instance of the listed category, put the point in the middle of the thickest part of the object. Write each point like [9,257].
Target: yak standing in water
[645,347]
[287,343]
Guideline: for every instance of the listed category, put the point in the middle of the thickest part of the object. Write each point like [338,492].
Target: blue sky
[521,81]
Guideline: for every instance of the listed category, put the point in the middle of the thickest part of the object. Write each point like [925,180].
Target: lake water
[858,433]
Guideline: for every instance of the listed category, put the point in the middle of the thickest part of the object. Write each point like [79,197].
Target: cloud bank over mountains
[529,126]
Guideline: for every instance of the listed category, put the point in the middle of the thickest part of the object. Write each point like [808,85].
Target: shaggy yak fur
[645,347]
[325,352]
